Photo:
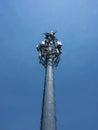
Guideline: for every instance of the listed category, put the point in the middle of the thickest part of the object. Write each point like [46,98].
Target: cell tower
[49,57]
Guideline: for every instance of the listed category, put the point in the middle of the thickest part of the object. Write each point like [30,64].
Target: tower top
[50,47]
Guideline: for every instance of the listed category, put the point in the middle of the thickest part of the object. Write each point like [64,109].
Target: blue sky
[22,23]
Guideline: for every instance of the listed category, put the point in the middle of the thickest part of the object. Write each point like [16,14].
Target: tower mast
[49,57]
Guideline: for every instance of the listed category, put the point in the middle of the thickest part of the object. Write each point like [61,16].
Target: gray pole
[48,119]
[49,58]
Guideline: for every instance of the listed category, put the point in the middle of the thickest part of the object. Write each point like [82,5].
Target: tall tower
[49,57]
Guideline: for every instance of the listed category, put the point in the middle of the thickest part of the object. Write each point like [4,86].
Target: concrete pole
[48,118]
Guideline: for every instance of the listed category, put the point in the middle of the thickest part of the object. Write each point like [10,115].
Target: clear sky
[22,23]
